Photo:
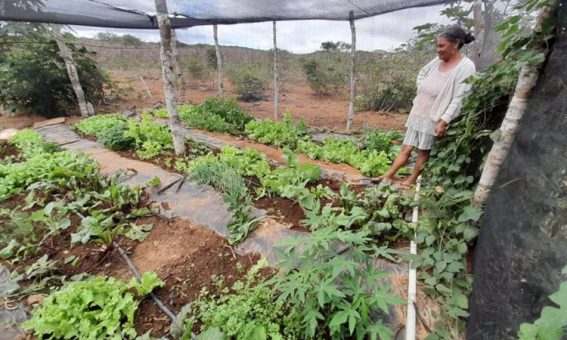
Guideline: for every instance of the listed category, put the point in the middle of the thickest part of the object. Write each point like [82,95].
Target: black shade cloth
[522,245]
[187,13]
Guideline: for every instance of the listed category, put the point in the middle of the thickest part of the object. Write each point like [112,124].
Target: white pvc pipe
[412,282]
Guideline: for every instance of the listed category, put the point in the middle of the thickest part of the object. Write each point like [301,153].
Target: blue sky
[384,32]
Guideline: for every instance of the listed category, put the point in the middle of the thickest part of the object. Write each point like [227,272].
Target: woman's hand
[440,129]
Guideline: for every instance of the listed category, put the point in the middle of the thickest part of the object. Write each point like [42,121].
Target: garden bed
[366,220]
[285,210]
[187,257]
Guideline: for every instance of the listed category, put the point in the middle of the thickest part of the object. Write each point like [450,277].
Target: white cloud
[385,32]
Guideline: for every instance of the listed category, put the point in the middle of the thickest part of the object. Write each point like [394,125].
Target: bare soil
[18,122]
[329,112]
[326,112]
[187,258]
[7,150]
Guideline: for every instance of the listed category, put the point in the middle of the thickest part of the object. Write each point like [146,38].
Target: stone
[33,299]
[54,121]
[7,134]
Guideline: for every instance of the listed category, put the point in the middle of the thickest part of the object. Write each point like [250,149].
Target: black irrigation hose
[181,183]
[139,278]
[134,271]
[71,142]
[158,302]
[161,191]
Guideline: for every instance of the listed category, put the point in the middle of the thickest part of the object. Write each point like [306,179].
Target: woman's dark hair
[457,33]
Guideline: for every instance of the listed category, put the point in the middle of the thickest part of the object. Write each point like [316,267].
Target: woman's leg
[422,158]
[400,161]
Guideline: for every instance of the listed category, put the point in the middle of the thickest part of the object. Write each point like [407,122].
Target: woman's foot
[385,179]
[376,180]
[406,185]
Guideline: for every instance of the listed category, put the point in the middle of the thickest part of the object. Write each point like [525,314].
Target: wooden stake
[478,31]
[276,78]
[176,63]
[352,73]
[67,56]
[220,71]
[168,77]
[146,87]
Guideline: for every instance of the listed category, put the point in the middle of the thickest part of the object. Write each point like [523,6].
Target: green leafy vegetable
[94,309]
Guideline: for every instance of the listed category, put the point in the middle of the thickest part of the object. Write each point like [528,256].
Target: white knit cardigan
[449,100]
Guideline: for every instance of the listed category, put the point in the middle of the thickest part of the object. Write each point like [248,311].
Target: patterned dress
[420,124]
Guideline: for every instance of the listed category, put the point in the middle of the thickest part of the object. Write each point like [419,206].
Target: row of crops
[245,175]
[316,292]
[47,194]
[380,211]
[372,155]
[56,186]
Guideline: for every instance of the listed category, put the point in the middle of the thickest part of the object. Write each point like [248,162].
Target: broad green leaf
[470,214]
[150,281]
[212,334]
[8,251]
[337,320]
[138,232]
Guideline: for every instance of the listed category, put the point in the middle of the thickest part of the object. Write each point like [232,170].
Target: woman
[440,89]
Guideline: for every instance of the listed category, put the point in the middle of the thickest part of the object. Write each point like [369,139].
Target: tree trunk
[526,82]
[168,76]
[490,38]
[220,72]
[479,31]
[352,73]
[276,78]
[67,56]
[176,61]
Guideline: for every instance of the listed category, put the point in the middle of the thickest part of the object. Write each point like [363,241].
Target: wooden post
[352,73]
[67,56]
[490,38]
[146,87]
[276,78]
[176,62]
[486,37]
[220,72]
[479,30]
[168,77]
[516,109]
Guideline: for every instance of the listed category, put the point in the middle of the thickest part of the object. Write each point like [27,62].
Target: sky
[383,32]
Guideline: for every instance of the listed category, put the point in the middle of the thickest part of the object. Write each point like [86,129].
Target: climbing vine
[450,226]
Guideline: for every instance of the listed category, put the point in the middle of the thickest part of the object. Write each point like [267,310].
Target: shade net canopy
[184,13]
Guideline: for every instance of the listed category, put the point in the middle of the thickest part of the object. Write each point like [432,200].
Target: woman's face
[446,49]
